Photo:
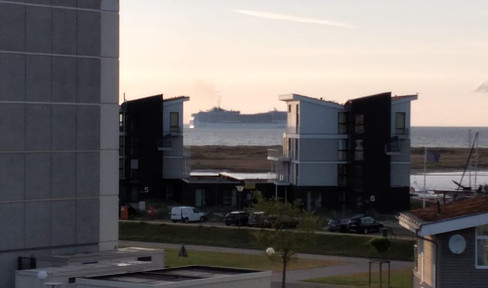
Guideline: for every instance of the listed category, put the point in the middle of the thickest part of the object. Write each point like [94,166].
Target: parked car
[259,219]
[337,225]
[238,218]
[363,224]
[186,214]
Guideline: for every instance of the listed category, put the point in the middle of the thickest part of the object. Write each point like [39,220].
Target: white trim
[452,225]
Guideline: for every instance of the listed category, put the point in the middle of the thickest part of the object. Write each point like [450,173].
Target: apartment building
[353,155]
[58,121]
[151,160]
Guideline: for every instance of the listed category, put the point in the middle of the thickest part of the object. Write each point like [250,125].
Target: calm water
[420,136]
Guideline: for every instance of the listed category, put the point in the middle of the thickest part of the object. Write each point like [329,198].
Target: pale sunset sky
[243,54]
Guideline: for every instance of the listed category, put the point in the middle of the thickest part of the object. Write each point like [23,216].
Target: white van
[186,214]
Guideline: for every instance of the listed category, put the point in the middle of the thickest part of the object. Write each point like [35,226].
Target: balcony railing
[165,143]
[278,155]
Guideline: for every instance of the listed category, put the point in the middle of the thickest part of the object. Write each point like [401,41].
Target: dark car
[259,219]
[337,225]
[363,224]
[238,218]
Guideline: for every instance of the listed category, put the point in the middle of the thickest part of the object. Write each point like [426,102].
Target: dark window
[359,150]
[145,259]
[26,263]
[289,108]
[342,149]
[341,175]
[400,128]
[359,124]
[342,123]
[174,121]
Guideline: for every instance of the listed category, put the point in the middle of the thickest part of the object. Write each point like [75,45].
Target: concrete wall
[58,121]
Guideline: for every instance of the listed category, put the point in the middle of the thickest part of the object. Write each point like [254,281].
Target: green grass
[399,279]
[325,244]
[257,262]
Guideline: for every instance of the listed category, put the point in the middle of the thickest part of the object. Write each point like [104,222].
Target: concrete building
[152,161]
[58,121]
[452,244]
[355,155]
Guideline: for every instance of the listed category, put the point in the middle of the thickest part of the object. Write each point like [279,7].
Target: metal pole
[425,172]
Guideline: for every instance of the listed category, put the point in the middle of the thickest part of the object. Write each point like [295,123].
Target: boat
[221,118]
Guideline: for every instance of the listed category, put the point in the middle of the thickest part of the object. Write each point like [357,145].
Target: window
[359,150]
[121,122]
[341,175]
[482,246]
[174,121]
[289,108]
[342,149]
[342,123]
[359,124]
[400,123]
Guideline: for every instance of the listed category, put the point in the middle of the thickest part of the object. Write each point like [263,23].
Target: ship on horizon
[221,118]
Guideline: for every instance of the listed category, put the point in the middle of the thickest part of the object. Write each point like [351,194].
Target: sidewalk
[294,278]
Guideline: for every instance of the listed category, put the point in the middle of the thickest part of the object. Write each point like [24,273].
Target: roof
[298,97]
[462,214]
[403,98]
[190,276]
[179,98]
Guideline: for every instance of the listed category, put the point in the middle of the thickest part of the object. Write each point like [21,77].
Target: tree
[291,228]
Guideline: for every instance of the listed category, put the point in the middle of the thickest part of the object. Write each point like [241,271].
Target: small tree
[291,228]
[381,245]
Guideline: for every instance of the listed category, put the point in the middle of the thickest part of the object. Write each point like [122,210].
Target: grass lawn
[399,279]
[324,244]
[258,262]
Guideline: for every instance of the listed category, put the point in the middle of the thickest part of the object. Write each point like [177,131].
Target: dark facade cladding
[142,127]
[369,168]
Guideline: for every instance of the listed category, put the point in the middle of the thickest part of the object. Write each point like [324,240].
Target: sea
[449,137]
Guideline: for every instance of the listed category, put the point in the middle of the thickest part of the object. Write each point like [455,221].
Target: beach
[253,159]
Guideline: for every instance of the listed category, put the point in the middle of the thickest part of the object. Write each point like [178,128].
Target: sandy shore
[254,158]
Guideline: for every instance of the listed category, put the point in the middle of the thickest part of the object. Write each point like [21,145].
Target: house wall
[58,121]
[459,270]
[173,159]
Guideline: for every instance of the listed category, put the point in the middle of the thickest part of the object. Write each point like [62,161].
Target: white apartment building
[354,155]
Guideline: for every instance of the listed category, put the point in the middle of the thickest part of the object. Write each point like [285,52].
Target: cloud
[291,18]
[483,88]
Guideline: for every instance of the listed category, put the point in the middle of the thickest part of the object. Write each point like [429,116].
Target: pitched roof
[456,215]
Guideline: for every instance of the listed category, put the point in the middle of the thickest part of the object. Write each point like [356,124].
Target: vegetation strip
[323,244]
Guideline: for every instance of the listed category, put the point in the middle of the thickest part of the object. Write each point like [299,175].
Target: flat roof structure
[188,276]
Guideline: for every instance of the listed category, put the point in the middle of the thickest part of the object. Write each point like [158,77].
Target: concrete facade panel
[12,181]
[88,127]
[89,4]
[66,3]
[13,229]
[12,27]
[38,29]
[63,79]
[63,25]
[88,174]
[110,5]
[87,221]
[88,33]
[12,77]
[308,174]
[109,81]
[8,265]
[109,44]
[109,176]
[38,1]
[109,228]
[38,127]
[88,80]
[63,127]
[12,123]
[109,127]
[63,222]
[63,175]
[38,176]
[38,78]
[318,149]
[37,232]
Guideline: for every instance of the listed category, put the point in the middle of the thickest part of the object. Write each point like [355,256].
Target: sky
[243,54]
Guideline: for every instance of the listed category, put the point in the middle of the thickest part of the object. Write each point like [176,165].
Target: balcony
[165,144]
[277,155]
